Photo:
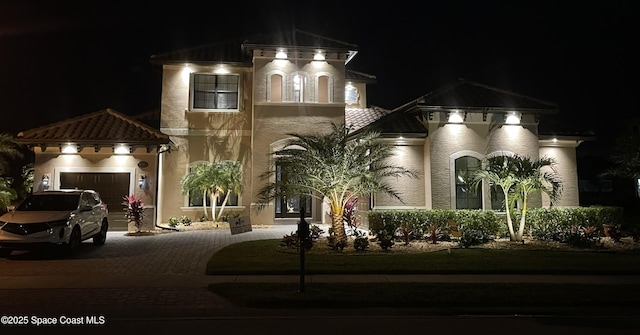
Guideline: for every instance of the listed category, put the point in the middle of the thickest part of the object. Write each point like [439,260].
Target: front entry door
[289,206]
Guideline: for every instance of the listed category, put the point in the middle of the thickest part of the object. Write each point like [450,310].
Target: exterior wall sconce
[142,182]
[456,117]
[318,56]
[512,118]
[45,181]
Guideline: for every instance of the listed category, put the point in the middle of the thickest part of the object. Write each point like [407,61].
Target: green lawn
[262,257]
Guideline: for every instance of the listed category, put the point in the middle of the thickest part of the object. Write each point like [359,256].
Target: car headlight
[59,223]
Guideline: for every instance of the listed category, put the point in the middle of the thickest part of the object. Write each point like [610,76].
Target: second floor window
[351,95]
[211,91]
[299,83]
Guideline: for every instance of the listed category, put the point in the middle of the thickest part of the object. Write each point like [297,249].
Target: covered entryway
[112,186]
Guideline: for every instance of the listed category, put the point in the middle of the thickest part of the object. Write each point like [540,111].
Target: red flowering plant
[134,211]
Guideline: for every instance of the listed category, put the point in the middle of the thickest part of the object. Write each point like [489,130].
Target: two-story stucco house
[237,100]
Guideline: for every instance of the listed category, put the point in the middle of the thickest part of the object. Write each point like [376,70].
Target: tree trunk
[512,234]
[522,219]
[214,200]
[338,227]
[224,203]
[204,204]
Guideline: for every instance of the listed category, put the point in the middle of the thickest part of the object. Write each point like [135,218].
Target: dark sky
[63,60]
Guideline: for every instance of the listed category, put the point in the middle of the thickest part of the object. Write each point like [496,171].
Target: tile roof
[384,121]
[465,94]
[359,76]
[299,39]
[228,51]
[103,127]
[238,50]
[358,118]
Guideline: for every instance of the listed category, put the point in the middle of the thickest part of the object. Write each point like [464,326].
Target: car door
[90,213]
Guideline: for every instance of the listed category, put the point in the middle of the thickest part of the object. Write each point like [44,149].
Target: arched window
[276,88]
[323,89]
[466,196]
[299,86]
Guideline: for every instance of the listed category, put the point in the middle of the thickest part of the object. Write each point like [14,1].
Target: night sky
[60,61]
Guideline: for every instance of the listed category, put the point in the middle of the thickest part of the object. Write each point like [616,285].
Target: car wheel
[101,237]
[5,252]
[74,242]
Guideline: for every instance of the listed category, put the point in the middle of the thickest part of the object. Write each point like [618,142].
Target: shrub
[361,241]
[134,210]
[185,220]
[477,226]
[334,243]
[315,232]
[405,233]
[173,221]
[583,237]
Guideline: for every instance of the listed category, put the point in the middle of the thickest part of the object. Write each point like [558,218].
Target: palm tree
[7,194]
[335,168]
[230,181]
[518,177]
[8,149]
[195,181]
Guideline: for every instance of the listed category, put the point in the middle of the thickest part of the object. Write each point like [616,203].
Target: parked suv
[61,218]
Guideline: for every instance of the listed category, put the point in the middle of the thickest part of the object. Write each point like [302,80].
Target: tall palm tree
[333,167]
[540,175]
[519,176]
[230,181]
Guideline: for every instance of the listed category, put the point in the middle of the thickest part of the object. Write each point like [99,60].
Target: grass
[264,258]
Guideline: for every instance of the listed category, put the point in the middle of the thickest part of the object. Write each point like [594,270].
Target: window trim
[192,77]
[330,85]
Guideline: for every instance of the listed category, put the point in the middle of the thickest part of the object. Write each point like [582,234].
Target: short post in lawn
[303,235]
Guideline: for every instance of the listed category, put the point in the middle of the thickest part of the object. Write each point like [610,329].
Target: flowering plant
[134,210]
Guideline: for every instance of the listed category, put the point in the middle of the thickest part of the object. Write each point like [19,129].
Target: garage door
[112,186]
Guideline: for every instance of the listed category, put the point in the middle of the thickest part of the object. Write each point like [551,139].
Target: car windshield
[50,202]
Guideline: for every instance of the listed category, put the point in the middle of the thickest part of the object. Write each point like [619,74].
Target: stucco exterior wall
[410,190]
[51,162]
[272,123]
[209,136]
[565,158]
[478,139]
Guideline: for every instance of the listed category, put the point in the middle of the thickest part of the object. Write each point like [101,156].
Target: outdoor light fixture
[281,54]
[69,148]
[456,117]
[512,118]
[121,149]
[45,182]
[142,182]
[318,56]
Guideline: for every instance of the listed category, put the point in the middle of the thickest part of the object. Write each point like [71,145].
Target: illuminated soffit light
[281,54]
[513,118]
[456,117]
